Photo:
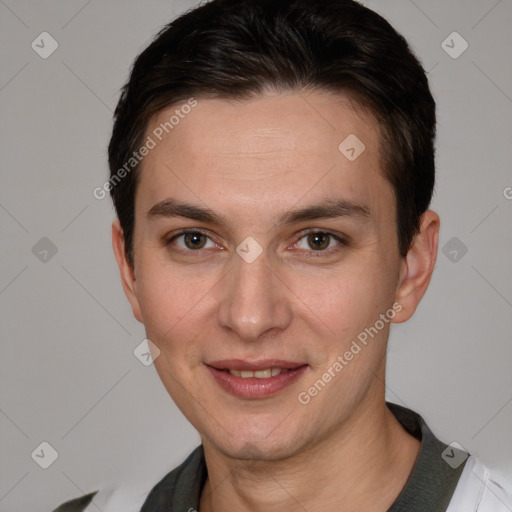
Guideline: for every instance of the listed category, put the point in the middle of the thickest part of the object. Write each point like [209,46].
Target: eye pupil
[318,240]
[195,239]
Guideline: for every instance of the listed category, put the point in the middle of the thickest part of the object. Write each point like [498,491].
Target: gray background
[68,375]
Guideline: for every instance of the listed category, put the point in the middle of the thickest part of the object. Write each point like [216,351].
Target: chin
[257,451]
[265,445]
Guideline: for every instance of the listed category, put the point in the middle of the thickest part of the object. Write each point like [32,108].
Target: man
[272,165]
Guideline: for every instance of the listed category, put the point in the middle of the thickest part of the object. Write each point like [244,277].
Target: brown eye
[194,240]
[318,241]
[190,241]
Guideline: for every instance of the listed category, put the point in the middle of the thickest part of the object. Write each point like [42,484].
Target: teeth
[259,374]
[263,374]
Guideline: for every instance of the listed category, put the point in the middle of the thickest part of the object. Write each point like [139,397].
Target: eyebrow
[327,209]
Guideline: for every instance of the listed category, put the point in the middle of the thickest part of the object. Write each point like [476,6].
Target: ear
[417,267]
[127,272]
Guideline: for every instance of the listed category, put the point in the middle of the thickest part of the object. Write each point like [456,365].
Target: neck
[363,465]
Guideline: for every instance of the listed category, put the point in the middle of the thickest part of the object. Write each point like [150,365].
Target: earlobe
[126,270]
[417,266]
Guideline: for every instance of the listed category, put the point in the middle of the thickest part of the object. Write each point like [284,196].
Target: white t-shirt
[478,490]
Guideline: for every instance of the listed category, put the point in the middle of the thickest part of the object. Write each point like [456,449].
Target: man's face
[211,302]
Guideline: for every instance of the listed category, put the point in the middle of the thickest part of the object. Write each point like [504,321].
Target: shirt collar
[429,487]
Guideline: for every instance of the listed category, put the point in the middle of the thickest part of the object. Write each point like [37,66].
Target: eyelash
[319,253]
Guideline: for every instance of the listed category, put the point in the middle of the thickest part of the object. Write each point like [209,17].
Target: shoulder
[108,499]
[134,497]
[481,489]
[76,505]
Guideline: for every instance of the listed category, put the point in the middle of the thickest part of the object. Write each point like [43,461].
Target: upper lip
[262,364]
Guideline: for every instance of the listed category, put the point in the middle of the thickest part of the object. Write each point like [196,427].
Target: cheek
[170,302]
[172,309]
[346,300]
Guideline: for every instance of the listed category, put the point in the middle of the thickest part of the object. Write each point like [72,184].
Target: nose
[254,302]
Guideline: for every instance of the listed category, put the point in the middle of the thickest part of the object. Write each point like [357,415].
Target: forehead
[267,153]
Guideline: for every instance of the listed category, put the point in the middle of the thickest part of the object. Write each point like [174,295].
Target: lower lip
[253,387]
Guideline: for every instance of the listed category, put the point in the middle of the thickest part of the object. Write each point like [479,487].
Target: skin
[250,162]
